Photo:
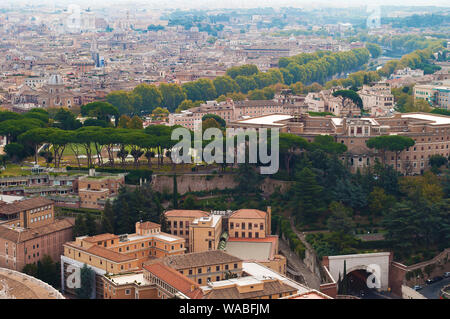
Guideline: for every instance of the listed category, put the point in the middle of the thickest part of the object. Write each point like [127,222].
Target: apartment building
[437,95]
[192,118]
[41,185]
[179,222]
[255,282]
[425,92]
[377,98]
[29,231]
[324,101]
[95,189]
[128,286]
[116,254]
[204,267]
[249,223]
[431,133]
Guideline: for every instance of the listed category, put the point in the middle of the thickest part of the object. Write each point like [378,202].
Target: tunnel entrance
[355,284]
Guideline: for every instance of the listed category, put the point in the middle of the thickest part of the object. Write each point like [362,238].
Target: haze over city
[224,150]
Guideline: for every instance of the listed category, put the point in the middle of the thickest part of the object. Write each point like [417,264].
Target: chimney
[269,221]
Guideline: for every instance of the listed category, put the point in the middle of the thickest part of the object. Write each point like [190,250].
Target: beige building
[377,98]
[118,254]
[249,223]
[94,190]
[431,133]
[179,222]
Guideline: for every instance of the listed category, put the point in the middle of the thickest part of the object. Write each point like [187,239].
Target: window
[231,225]
[243,225]
[127,291]
[235,266]
[199,271]
[217,268]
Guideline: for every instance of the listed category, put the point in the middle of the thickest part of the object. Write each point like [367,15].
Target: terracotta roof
[108,254]
[201,259]
[270,288]
[149,225]
[173,278]
[100,251]
[25,204]
[248,213]
[101,237]
[186,213]
[31,233]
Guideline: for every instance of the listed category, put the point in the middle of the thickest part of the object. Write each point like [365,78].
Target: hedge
[133,176]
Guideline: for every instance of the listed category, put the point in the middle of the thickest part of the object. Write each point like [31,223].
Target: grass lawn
[15,170]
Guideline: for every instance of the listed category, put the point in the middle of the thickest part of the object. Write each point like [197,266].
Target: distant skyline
[216,4]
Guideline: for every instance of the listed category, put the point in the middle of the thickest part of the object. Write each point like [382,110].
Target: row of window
[38,219]
[250,226]
[250,234]
[209,269]
[32,211]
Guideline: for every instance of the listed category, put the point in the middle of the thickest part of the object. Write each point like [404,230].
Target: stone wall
[193,182]
[409,293]
[209,182]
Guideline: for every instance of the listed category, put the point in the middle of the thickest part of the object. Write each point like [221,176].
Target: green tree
[150,97]
[374,49]
[87,276]
[107,220]
[225,84]
[307,194]
[65,120]
[340,219]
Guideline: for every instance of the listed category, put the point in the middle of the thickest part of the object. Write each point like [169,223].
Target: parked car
[417,287]
[447,274]
[435,279]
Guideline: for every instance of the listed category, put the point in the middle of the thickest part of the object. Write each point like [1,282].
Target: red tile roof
[26,204]
[149,225]
[173,278]
[186,213]
[248,213]
[101,237]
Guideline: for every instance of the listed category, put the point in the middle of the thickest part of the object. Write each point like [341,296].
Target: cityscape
[224,151]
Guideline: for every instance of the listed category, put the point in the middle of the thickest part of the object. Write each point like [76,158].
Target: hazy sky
[236,3]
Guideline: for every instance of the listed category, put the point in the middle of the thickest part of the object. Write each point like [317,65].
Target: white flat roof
[438,120]
[165,237]
[129,279]
[261,272]
[267,119]
[10,198]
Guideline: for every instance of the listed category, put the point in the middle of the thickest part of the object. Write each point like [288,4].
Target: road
[432,291]
[296,264]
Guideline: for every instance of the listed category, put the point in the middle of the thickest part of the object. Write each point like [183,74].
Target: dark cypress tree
[107,222]
[175,191]
[86,281]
